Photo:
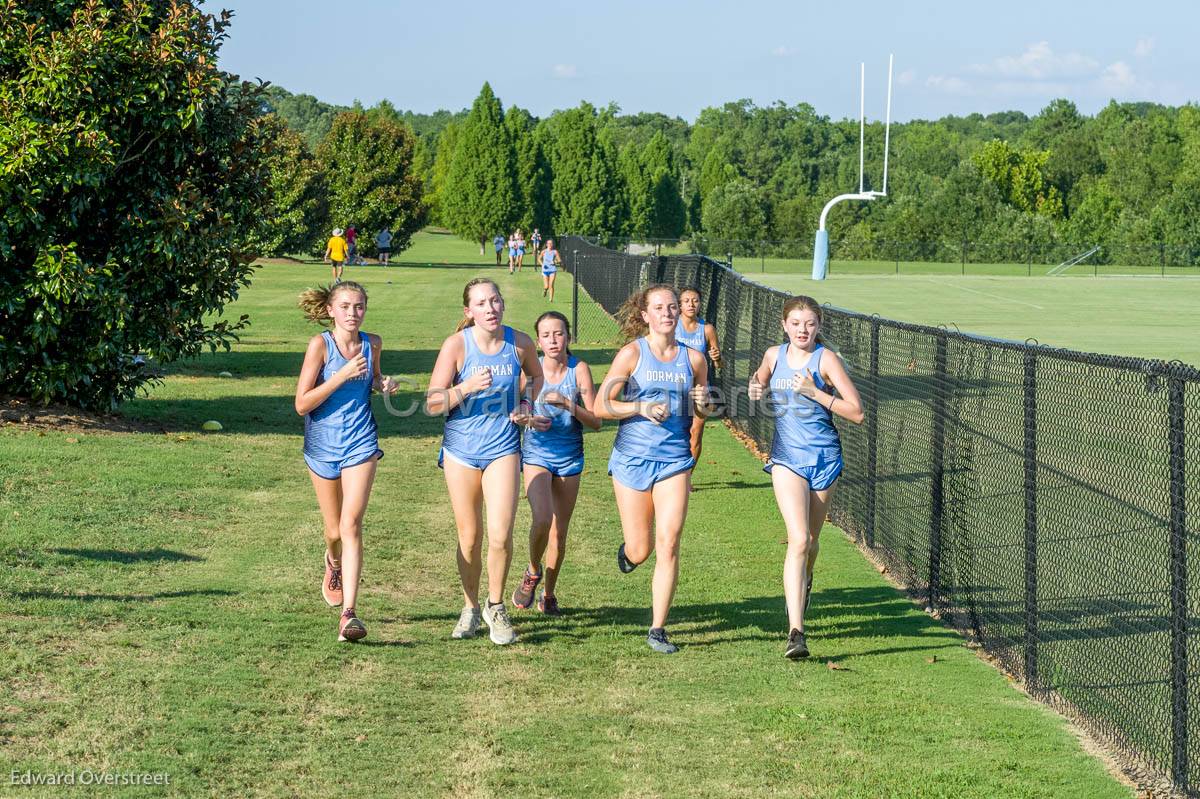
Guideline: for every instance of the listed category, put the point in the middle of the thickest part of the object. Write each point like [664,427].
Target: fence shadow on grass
[207,592]
[156,555]
[836,614]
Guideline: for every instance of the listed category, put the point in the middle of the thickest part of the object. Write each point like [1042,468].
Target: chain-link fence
[1043,500]
[966,256]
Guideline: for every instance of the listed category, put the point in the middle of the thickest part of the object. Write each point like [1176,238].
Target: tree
[637,188]
[446,142]
[296,219]
[534,179]
[481,196]
[303,113]
[371,177]
[588,193]
[131,171]
[736,210]
[668,215]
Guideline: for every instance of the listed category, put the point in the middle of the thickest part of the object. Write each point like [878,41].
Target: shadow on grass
[248,363]
[836,614]
[122,597]
[157,555]
[256,415]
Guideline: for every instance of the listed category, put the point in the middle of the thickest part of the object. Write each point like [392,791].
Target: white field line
[985,294]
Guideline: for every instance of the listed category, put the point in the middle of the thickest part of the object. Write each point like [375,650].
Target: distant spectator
[499,243]
[383,241]
[335,253]
[352,243]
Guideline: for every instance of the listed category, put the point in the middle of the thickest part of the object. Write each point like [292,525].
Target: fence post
[575,293]
[762,257]
[1179,592]
[1031,524]
[729,258]
[872,432]
[937,471]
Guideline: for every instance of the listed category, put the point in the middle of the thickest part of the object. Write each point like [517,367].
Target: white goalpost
[821,246]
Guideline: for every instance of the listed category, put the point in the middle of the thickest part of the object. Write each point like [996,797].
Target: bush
[131,169]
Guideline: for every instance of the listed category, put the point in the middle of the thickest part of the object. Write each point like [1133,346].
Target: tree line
[1127,176]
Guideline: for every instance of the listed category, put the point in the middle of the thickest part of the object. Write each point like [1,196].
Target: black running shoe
[797,647]
[623,563]
[657,639]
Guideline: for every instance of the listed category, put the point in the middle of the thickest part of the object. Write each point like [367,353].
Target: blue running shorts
[641,474]
[332,470]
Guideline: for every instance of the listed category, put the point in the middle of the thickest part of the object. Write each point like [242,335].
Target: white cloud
[566,71]
[783,52]
[1144,46]
[906,77]
[1039,62]
[948,84]
[1117,77]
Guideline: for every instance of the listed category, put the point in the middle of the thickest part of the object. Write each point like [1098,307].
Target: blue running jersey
[564,440]
[479,427]
[548,266]
[655,381]
[803,426]
[342,426]
[695,340]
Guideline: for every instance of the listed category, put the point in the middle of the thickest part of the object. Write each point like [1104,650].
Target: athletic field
[162,614]
[1149,317]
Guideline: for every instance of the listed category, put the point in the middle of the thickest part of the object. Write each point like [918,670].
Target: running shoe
[623,563]
[331,586]
[523,596]
[797,647]
[500,628]
[468,623]
[548,604]
[657,639]
[350,628]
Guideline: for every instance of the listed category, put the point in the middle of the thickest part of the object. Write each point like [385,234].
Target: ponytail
[467,321]
[629,315]
[314,303]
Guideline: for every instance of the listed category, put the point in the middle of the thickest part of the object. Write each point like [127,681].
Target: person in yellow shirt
[335,254]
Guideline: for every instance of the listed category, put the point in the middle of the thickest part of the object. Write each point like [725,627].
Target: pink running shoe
[331,587]
[548,604]
[523,596]
[350,628]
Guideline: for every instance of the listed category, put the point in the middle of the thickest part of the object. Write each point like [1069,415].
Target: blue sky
[679,57]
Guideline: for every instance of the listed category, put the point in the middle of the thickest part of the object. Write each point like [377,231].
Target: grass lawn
[161,613]
[1144,317]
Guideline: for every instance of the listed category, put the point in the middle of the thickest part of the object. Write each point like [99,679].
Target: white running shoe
[468,623]
[500,628]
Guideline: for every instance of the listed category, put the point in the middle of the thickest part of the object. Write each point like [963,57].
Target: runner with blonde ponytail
[341,440]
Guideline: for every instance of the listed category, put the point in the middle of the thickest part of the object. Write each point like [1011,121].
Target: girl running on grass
[550,264]
[341,441]
[476,381]
[694,332]
[520,249]
[807,385]
[655,387]
[553,458]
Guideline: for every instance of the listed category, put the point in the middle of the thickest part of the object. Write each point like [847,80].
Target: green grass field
[1144,317]
[162,614]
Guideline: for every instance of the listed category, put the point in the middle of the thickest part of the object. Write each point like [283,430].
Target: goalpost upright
[821,245]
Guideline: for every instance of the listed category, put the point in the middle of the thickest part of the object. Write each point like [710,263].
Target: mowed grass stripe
[161,613]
